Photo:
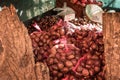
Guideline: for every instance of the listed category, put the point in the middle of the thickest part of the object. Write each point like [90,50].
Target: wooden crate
[111,30]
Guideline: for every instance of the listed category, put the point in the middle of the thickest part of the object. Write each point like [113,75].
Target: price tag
[69,17]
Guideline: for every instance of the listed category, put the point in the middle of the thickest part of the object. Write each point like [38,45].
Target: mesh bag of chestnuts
[84,61]
[72,52]
[89,39]
[42,41]
[67,62]
[39,44]
[62,59]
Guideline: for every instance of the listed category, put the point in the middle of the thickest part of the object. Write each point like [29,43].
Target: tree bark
[16,56]
[111,30]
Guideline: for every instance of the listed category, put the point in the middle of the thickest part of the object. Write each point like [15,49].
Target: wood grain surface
[16,56]
[111,28]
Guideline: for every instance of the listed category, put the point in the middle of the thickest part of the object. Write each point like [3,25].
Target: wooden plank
[16,55]
[111,31]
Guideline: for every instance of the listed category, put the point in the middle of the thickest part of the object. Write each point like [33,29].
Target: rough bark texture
[79,10]
[111,24]
[16,56]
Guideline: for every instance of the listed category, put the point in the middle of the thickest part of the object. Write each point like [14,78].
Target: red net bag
[91,65]
[62,59]
[42,41]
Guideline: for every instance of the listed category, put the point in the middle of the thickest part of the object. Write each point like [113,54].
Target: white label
[69,17]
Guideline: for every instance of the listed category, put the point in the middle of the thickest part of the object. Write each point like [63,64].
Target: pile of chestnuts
[79,57]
